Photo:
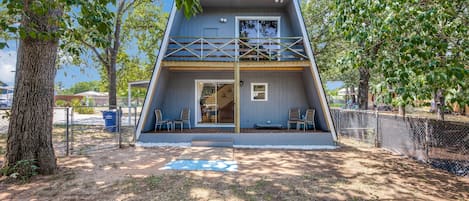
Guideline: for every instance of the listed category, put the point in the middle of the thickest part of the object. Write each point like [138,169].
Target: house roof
[92,93]
[140,84]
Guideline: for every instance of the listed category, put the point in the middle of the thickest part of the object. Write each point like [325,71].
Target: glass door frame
[197,104]
[259,18]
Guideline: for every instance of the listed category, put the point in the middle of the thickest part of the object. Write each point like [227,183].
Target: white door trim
[197,103]
[237,18]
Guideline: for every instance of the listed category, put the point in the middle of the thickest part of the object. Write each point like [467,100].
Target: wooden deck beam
[231,69]
[244,65]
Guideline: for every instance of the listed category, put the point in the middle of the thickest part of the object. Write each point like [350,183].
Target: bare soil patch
[353,172]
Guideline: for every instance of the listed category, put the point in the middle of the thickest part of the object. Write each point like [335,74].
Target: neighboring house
[252,52]
[94,98]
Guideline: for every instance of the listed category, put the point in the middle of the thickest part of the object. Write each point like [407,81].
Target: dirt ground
[353,172]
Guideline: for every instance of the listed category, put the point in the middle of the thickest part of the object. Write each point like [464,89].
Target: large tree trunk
[363,88]
[30,128]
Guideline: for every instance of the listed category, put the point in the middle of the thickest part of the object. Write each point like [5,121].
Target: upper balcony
[241,30]
[235,49]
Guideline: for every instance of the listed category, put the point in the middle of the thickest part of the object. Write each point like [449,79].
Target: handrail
[230,49]
[198,37]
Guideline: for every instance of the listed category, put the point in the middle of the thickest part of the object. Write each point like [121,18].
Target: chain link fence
[443,144]
[83,129]
[99,128]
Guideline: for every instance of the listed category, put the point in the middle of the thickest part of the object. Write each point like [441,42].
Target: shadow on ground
[352,172]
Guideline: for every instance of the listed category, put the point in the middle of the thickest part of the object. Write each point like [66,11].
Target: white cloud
[7,64]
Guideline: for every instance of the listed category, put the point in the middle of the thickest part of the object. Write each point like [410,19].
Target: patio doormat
[205,159]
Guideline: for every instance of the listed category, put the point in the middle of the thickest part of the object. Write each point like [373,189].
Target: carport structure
[134,84]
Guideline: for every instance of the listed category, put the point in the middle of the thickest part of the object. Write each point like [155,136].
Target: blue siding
[286,90]
[210,19]
[158,98]
[314,99]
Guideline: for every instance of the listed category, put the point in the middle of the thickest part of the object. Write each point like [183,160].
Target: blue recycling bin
[110,118]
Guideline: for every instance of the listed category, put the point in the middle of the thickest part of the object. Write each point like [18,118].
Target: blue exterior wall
[314,99]
[286,90]
[157,99]
[210,19]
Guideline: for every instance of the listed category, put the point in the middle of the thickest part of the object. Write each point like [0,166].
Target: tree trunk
[402,111]
[30,127]
[112,86]
[113,63]
[440,105]
[363,88]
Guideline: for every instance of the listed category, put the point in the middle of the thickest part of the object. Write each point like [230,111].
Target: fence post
[67,131]
[339,125]
[119,126]
[135,127]
[427,139]
[339,111]
[72,138]
[135,117]
[377,129]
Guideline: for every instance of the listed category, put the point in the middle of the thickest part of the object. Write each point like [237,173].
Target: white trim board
[266,91]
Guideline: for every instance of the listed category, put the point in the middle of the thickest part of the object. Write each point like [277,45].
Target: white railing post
[202,48]
[270,49]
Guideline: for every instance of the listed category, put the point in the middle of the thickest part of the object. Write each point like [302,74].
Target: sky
[67,75]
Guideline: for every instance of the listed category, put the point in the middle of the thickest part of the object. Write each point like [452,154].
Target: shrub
[61,103]
[84,110]
[22,170]
[79,108]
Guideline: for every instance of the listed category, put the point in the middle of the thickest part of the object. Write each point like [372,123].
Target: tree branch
[95,51]
[124,10]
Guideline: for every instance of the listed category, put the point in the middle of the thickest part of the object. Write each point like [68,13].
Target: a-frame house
[238,73]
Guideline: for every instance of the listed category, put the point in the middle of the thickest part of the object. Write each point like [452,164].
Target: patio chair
[159,122]
[308,120]
[293,117]
[185,118]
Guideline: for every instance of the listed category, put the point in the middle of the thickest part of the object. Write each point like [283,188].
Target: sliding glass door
[259,32]
[214,102]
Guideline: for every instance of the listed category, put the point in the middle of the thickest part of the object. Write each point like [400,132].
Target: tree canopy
[409,49]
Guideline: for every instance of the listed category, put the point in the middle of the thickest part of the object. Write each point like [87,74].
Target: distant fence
[443,144]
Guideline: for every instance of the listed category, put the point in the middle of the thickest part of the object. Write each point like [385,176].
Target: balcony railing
[231,49]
